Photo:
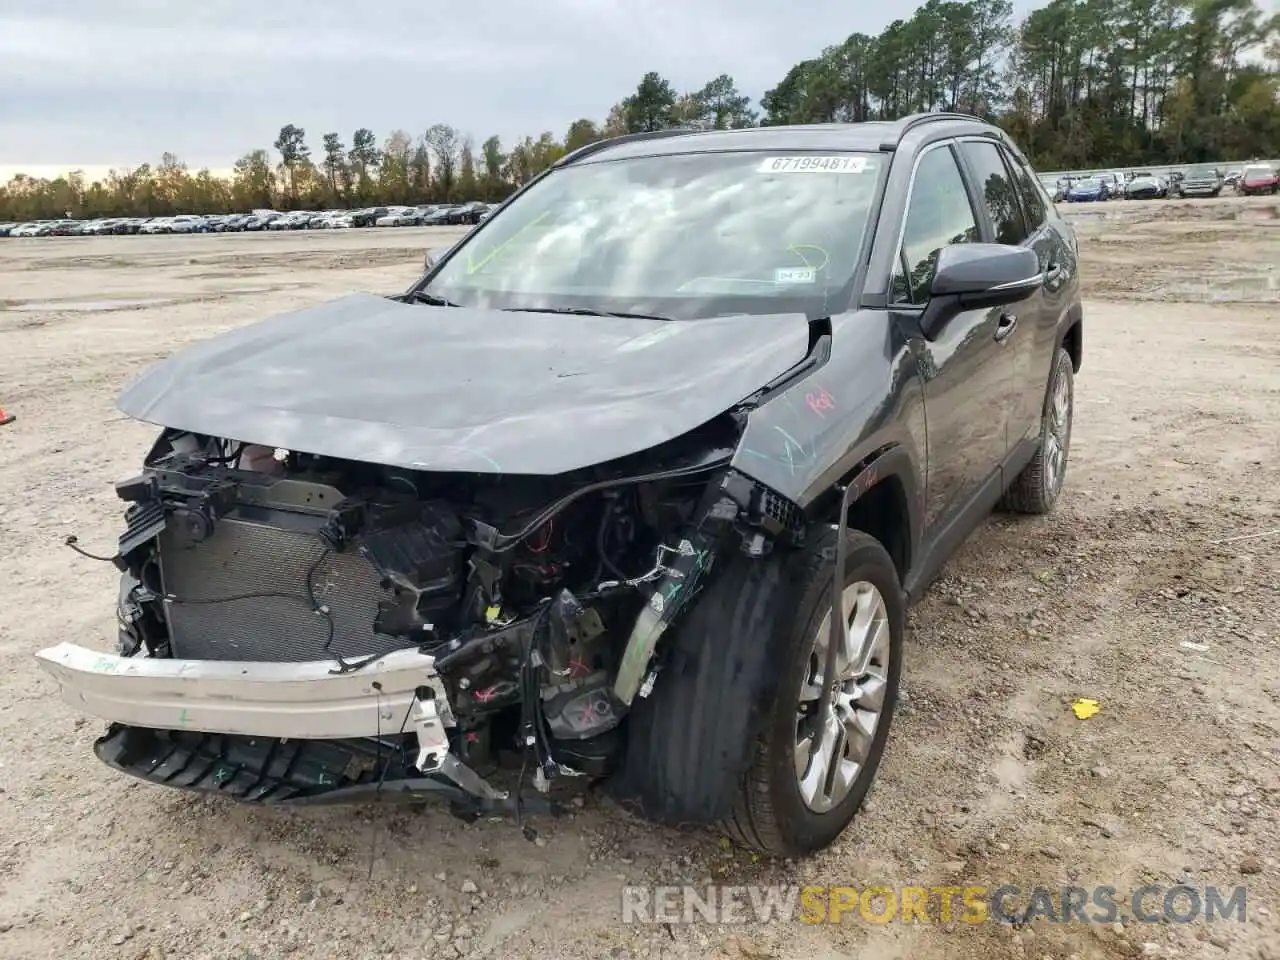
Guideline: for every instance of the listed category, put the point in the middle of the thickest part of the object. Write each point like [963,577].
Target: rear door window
[1034,202]
[998,193]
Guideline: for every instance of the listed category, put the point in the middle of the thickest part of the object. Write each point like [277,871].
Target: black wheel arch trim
[888,461]
[1071,334]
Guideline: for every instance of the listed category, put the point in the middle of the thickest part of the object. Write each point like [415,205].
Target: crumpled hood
[446,388]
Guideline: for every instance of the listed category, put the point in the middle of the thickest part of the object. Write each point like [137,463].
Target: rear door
[1023,326]
[1054,240]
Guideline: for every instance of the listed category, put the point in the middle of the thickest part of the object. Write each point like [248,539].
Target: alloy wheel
[848,726]
[1058,436]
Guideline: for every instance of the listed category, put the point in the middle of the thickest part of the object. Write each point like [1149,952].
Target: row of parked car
[1201,181]
[435,214]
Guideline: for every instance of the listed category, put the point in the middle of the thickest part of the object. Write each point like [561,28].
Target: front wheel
[734,731]
[1037,488]
[812,768]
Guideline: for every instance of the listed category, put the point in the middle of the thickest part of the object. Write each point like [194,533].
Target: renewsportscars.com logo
[973,903]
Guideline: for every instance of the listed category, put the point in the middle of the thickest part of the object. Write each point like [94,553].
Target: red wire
[549,527]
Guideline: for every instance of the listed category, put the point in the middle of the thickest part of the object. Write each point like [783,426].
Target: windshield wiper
[588,312]
[421,296]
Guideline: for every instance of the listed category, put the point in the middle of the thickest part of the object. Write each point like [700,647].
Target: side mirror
[973,276]
[986,274]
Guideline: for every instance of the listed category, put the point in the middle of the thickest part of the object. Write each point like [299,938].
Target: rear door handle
[1005,327]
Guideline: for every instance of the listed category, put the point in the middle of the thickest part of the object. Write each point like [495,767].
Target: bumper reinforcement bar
[177,722]
[288,700]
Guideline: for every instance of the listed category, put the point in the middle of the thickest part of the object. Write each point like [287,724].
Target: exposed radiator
[242,595]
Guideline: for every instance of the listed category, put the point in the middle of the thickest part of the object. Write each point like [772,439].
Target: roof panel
[816,136]
[825,136]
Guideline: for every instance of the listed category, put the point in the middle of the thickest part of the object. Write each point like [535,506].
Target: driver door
[967,376]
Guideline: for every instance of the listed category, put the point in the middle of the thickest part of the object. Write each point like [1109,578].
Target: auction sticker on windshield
[795,275]
[837,164]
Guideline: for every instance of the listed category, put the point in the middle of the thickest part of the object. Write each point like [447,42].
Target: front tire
[1038,487]
[796,799]
[727,734]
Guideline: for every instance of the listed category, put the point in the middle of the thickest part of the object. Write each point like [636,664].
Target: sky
[93,84]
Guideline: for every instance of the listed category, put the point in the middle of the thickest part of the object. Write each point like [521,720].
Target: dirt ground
[1154,589]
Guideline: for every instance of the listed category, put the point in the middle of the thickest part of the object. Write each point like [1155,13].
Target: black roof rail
[909,123]
[598,145]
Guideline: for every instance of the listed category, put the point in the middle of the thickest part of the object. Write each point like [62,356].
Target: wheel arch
[1072,338]
[883,502]
[882,512]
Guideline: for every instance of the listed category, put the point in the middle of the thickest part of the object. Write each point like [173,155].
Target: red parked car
[1257,179]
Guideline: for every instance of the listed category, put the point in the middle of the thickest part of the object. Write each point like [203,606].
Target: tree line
[1078,84]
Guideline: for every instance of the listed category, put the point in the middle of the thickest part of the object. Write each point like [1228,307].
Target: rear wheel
[1038,486]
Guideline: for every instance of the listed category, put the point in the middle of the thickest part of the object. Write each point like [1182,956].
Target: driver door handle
[1053,274]
[1008,322]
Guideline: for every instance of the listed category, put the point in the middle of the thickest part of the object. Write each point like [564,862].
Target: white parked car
[330,220]
[392,219]
[186,223]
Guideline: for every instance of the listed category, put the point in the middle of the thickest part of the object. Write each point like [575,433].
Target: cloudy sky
[99,83]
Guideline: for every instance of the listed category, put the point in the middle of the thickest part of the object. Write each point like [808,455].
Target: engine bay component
[261,591]
[433,742]
[421,565]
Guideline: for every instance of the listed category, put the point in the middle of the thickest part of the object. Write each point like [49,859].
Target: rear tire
[719,737]
[1038,487]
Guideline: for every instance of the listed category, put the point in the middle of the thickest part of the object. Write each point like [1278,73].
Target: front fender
[818,431]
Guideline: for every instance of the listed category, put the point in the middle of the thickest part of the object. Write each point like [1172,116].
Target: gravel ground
[1155,589]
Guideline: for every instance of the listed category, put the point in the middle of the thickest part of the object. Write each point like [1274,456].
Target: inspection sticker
[795,275]
[837,164]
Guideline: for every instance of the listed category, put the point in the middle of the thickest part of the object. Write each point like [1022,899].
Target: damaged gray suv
[634,485]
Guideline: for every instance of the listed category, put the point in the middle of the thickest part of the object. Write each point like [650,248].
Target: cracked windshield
[690,236]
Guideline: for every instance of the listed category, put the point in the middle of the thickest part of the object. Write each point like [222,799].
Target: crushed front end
[299,629]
